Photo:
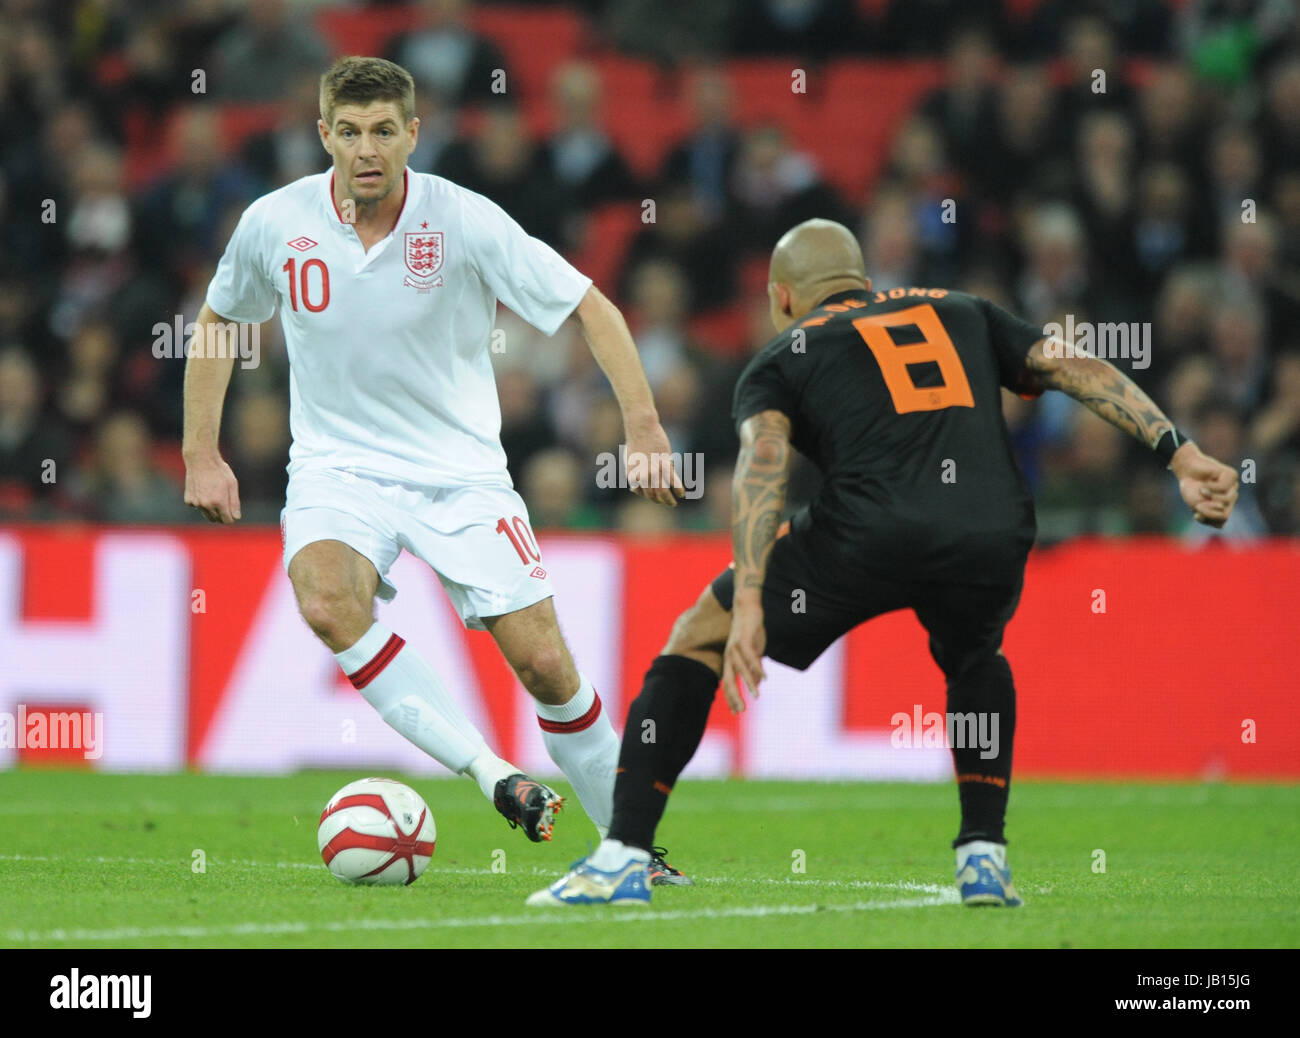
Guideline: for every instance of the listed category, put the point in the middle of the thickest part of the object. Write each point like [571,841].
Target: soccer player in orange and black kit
[895,396]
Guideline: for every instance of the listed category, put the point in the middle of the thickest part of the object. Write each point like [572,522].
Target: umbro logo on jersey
[302,243]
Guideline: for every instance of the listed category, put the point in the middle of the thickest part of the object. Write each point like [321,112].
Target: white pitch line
[460,870]
[541,917]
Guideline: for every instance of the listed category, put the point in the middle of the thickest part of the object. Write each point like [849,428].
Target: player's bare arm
[758,492]
[611,344]
[210,485]
[1208,487]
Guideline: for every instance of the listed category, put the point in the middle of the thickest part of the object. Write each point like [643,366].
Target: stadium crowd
[1168,202]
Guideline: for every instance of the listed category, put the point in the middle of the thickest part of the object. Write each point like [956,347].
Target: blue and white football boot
[983,877]
[624,879]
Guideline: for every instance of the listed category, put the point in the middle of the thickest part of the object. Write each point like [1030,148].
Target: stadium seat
[609,232]
[534,42]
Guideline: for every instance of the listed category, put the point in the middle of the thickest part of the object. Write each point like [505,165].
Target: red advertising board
[1132,658]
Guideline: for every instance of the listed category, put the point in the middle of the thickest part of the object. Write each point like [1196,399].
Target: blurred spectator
[1234,172]
[1249,269]
[1189,388]
[889,244]
[35,448]
[292,148]
[1182,315]
[775,187]
[578,154]
[912,26]
[681,235]
[658,318]
[1171,126]
[699,30]
[1084,491]
[84,393]
[1103,195]
[1027,147]
[964,109]
[1286,207]
[1223,39]
[259,454]
[1220,433]
[706,157]
[526,428]
[262,56]
[1276,426]
[1237,331]
[1164,227]
[1055,278]
[180,214]
[920,169]
[1280,129]
[677,399]
[1140,26]
[122,485]
[1094,71]
[552,485]
[809,28]
[500,162]
[445,56]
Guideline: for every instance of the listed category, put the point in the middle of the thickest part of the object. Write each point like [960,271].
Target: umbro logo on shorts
[538,572]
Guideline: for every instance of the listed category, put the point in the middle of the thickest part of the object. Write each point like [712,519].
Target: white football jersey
[390,372]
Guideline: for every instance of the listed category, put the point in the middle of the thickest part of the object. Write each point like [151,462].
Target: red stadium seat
[609,232]
[761,91]
[366,32]
[851,130]
[534,41]
[641,110]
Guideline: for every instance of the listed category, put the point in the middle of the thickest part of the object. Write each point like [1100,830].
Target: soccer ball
[376,831]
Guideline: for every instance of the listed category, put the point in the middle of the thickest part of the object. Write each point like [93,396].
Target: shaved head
[813,260]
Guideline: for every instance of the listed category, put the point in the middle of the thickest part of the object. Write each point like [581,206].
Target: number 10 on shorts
[521,539]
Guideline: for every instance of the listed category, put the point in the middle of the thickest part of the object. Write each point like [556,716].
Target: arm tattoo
[758,494]
[1103,389]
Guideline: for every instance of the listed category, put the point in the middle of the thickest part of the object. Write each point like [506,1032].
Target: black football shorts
[814,592]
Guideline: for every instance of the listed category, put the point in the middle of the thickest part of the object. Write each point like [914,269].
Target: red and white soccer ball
[376,831]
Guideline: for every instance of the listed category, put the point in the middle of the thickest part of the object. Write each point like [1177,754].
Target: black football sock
[665,724]
[985,690]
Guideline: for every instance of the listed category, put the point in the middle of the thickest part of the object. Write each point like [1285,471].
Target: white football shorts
[476,538]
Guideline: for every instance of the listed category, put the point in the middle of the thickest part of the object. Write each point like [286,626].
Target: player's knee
[548,672]
[702,628]
[333,615]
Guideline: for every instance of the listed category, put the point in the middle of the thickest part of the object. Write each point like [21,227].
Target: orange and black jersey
[895,397]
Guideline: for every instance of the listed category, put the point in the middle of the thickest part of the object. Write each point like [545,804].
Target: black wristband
[1168,443]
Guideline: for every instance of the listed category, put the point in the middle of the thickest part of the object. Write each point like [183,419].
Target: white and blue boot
[614,875]
[983,876]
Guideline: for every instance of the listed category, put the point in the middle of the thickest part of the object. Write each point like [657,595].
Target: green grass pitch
[105,861]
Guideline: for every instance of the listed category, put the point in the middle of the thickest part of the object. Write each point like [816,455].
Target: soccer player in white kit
[387,283]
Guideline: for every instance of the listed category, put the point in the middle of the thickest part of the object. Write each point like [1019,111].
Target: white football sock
[580,739]
[399,683]
[487,769]
[998,851]
[613,855]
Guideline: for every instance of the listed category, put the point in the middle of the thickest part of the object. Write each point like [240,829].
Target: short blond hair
[362,81]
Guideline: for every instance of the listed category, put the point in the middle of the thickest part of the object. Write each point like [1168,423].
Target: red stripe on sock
[577,724]
[361,678]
